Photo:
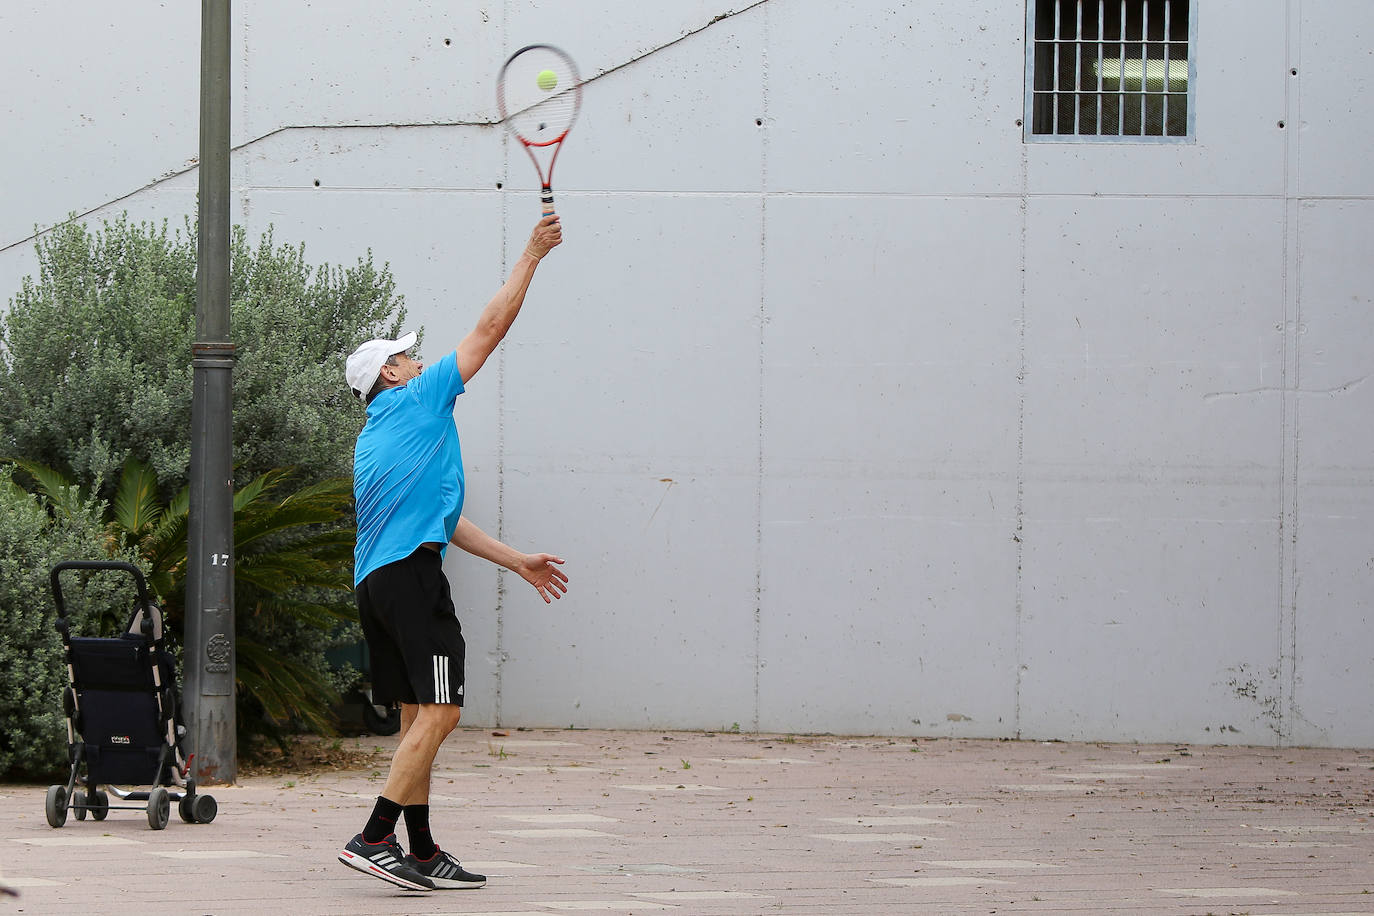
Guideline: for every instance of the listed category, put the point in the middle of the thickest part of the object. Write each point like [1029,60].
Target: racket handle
[546,196]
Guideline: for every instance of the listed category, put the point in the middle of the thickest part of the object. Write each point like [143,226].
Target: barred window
[1109,70]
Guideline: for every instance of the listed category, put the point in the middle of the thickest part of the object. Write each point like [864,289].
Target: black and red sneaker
[445,871]
[385,860]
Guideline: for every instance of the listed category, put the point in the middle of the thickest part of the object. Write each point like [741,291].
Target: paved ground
[690,823]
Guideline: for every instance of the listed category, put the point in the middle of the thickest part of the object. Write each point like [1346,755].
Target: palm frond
[181,503]
[136,508]
[164,547]
[279,575]
[253,526]
[285,687]
[332,491]
[257,488]
[313,614]
[61,492]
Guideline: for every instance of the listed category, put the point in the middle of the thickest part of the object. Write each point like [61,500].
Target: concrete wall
[851,410]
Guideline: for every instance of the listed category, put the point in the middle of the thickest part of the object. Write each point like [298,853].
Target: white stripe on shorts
[441,679]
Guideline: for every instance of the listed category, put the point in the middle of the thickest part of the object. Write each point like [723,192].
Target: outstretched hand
[539,570]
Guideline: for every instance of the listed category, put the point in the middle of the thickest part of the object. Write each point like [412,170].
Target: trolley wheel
[99,803]
[204,807]
[185,809]
[56,806]
[381,720]
[159,808]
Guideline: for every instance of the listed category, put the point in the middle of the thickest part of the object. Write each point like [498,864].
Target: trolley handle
[114,565]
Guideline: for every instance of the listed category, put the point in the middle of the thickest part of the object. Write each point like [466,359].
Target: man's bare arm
[538,569]
[499,314]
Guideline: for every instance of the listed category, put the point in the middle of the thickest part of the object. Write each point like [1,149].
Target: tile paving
[620,822]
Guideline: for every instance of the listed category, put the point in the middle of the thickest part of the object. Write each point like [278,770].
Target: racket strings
[545,121]
[539,92]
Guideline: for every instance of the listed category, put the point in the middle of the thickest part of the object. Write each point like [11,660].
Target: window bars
[1114,70]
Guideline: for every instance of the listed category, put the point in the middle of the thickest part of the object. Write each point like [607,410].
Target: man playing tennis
[408,485]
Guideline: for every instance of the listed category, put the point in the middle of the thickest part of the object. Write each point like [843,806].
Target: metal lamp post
[210,651]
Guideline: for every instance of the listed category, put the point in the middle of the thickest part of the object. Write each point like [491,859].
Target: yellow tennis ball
[547,80]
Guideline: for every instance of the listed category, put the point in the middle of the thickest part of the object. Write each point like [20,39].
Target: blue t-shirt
[408,469]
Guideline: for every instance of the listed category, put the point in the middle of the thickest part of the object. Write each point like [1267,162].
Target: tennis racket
[539,93]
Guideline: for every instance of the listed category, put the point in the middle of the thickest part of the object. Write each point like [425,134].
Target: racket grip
[546,196]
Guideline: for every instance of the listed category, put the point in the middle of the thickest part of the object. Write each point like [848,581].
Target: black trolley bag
[122,723]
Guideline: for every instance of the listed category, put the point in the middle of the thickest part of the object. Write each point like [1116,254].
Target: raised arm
[538,569]
[500,312]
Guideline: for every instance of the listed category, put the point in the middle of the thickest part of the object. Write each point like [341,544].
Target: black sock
[383,821]
[417,829]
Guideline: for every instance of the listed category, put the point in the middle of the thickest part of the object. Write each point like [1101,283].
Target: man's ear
[389,373]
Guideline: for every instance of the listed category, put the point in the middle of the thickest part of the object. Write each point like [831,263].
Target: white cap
[365,363]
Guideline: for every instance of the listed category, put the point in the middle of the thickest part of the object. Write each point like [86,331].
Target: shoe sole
[368,868]
[448,884]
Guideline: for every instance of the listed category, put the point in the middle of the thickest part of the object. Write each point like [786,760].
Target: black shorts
[413,636]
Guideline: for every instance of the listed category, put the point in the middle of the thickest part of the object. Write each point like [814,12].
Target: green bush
[33,737]
[95,355]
